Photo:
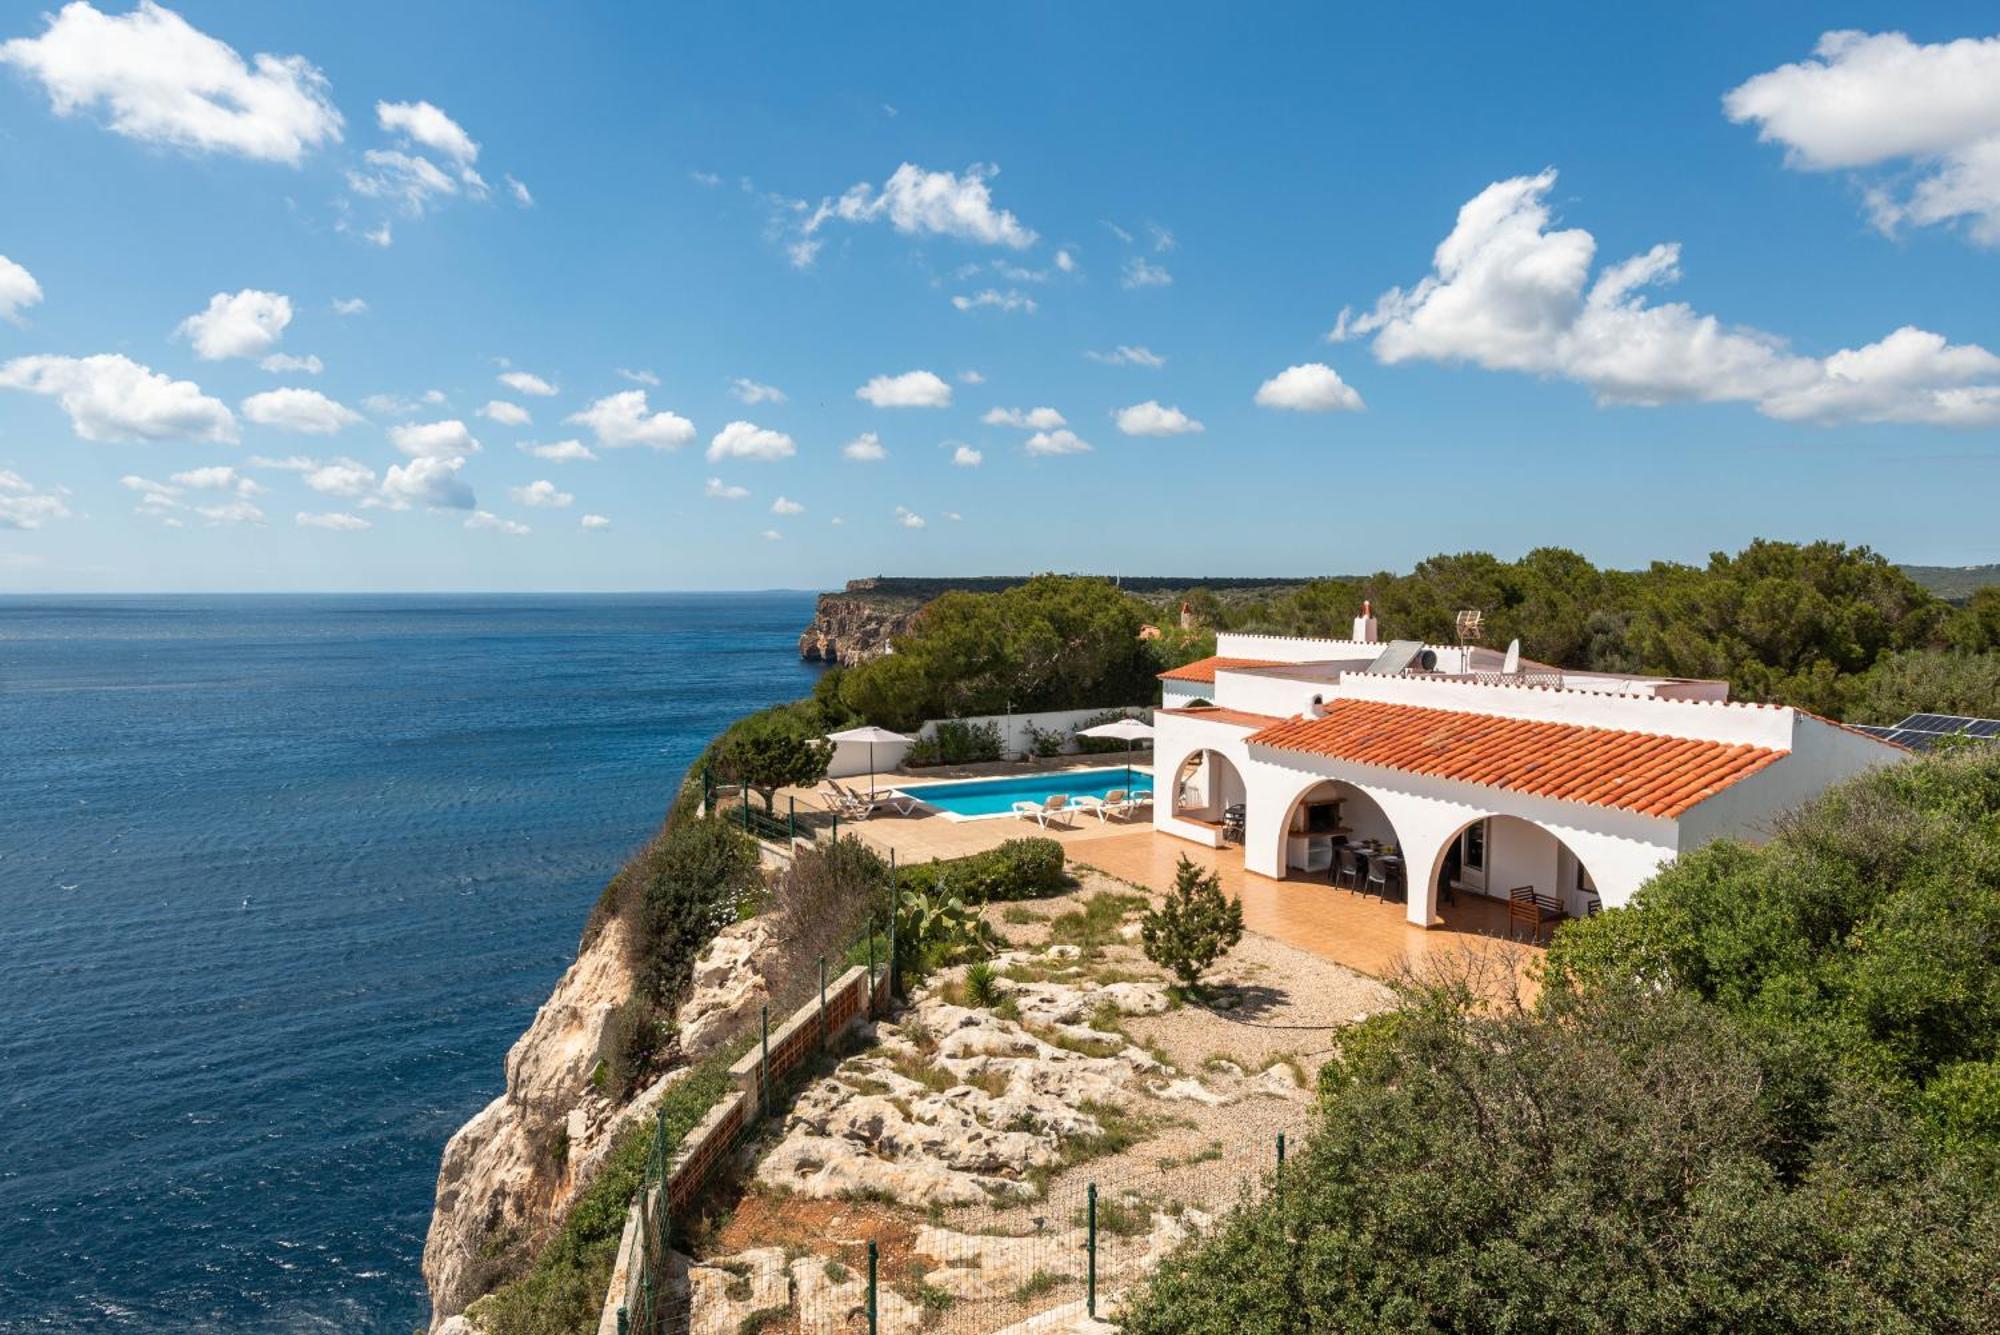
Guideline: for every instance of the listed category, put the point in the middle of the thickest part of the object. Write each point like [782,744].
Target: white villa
[1471,772]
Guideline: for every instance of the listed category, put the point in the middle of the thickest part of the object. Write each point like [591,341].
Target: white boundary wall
[851,758]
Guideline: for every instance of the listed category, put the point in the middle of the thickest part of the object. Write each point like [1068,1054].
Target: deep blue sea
[281,878]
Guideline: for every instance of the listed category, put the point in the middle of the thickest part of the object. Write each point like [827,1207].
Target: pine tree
[1195,927]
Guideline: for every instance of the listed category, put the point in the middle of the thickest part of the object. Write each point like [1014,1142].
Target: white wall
[1753,725]
[1822,755]
[1180,694]
[851,758]
[1268,691]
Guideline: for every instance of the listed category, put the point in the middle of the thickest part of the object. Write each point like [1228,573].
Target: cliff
[510,1172]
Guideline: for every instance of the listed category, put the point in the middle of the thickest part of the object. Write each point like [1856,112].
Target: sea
[281,879]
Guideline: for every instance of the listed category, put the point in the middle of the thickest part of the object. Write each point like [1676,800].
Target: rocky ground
[964,1136]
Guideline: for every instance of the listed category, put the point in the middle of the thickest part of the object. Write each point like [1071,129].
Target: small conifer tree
[1195,927]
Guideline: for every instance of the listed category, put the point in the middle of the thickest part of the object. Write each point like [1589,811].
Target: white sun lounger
[1057,806]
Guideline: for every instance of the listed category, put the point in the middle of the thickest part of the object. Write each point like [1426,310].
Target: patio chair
[1346,868]
[1233,817]
[1378,878]
[1527,909]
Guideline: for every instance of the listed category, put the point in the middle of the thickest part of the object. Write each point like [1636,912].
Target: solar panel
[1920,732]
[1873,729]
[1984,727]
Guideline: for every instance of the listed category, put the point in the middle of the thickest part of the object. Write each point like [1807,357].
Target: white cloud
[559,451]
[782,506]
[594,523]
[836,521]
[338,521]
[1034,419]
[967,457]
[1927,114]
[241,324]
[1142,272]
[414,182]
[542,494]
[487,519]
[926,203]
[1057,442]
[623,419]
[1508,294]
[296,463]
[505,413]
[1129,355]
[747,440]
[152,495]
[220,477]
[424,124]
[953,515]
[519,191]
[23,506]
[342,477]
[434,440]
[971,378]
[749,391]
[911,389]
[909,518]
[159,80]
[395,405]
[1312,388]
[111,397]
[1010,300]
[1151,419]
[1065,261]
[349,306]
[640,377]
[771,535]
[719,490]
[306,411]
[865,448]
[279,363]
[18,291]
[426,481]
[231,512]
[524,382]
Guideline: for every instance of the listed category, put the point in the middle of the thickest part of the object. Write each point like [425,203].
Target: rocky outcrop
[849,628]
[509,1172]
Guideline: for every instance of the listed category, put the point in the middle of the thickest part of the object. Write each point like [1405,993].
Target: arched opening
[1506,874]
[1208,790]
[1326,817]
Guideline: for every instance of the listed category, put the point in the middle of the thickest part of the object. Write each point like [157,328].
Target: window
[1472,847]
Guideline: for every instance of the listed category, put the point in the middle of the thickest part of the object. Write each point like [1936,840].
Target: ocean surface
[281,878]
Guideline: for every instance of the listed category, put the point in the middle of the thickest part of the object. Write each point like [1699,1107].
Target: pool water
[996,797]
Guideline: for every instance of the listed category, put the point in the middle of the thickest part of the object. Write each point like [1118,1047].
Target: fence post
[624,1323]
[822,1003]
[743,797]
[764,1069]
[836,827]
[1281,1150]
[892,924]
[871,1286]
[1090,1293]
[792,820]
[871,967]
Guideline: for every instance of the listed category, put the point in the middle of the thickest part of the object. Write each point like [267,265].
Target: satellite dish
[1512,666]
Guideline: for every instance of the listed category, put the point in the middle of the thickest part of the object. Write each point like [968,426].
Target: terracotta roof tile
[1606,767]
[1241,718]
[1204,669]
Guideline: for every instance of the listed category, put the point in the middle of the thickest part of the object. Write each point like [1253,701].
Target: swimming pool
[970,798]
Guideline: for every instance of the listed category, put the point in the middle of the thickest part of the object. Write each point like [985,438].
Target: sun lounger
[873,801]
[1117,803]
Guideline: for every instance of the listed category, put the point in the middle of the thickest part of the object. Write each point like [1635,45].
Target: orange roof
[1241,718]
[1204,669]
[1605,767]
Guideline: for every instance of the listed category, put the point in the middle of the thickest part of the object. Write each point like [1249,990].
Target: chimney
[1364,625]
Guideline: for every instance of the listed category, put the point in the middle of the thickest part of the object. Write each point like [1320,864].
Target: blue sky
[1638,289]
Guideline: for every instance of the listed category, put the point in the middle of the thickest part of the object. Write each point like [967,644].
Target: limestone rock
[728,987]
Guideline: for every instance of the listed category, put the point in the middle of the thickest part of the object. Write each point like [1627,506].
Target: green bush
[1104,746]
[1017,869]
[634,1040]
[1047,743]
[693,878]
[1195,925]
[963,743]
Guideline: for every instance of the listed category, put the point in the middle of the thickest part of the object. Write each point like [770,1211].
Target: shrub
[773,748]
[1017,869]
[828,895]
[981,985]
[962,743]
[1047,742]
[934,928]
[1196,925]
[693,877]
[634,1040]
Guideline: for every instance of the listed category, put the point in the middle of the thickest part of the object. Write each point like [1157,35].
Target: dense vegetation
[1794,623]
[1762,1098]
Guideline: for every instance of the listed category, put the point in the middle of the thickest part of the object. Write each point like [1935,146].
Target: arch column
[1425,828]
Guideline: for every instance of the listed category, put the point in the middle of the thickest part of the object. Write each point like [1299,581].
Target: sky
[506,296]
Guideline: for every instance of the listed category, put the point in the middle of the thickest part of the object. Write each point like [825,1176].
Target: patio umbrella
[871,735]
[1127,730]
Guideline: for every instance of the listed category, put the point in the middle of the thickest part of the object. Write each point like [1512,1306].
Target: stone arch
[1517,850]
[1364,815]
